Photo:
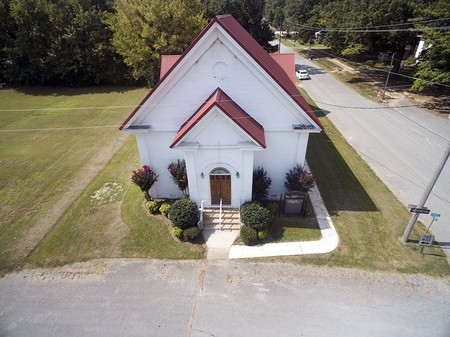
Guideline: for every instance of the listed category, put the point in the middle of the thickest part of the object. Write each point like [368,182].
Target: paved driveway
[223,299]
[402,144]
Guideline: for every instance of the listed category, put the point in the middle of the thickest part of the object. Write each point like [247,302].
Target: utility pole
[426,194]
[310,37]
[279,38]
[387,78]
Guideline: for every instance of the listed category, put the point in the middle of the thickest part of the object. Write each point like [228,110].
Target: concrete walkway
[220,243]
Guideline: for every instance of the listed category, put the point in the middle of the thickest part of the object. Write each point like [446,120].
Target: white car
[302,74]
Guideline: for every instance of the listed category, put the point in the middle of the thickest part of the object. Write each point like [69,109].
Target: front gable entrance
[220,186]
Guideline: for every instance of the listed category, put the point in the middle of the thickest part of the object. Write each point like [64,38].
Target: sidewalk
[220,246]
[326,244]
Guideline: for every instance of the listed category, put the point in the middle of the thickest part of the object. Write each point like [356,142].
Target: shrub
[191,233]
[264,234]
[153,207]
[255,216]
[273,209]
[177,232]
[184,213]
[298,179]
[352,50]
[164,209]
[144,178]
[178,174]
[248,203]
[261,184]
[249,236]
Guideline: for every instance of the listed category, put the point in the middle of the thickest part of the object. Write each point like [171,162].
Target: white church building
[226,107]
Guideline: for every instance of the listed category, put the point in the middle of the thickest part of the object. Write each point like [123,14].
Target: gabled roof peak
[232,27]
[233,111]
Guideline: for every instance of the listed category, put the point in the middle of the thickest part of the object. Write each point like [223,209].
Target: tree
[434,65]
[299,13]
[249,13]
[178,173]
[351,14]
[59,42]
[143,30]
[298,179]
[145,178]
[261,184]
[28,43]
[6,30]
[274,12]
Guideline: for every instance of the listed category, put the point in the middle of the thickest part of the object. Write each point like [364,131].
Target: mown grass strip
[369,218]
[108,220]
[37,165]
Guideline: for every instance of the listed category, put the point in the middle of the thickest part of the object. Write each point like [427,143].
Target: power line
[370,29]
[385,71]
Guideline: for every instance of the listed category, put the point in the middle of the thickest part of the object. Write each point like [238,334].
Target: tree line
[353,27]
[90,42]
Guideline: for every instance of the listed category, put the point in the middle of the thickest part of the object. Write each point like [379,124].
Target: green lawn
[46,137]
[108,219]
[369,218]
[295,228]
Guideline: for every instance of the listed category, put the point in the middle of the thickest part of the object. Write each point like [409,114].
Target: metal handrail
[220,214]
[201,209]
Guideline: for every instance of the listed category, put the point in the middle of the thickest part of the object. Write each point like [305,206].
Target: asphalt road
[222,298]
[402,143]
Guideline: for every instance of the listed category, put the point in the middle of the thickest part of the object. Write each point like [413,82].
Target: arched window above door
[220,171]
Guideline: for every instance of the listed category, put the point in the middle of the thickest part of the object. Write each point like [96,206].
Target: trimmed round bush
[153,207]
[255,216]
[249,236]
[177,232]
[184,213]
[191,233]
[165,208]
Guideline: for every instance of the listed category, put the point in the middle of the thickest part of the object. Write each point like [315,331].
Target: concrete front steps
[230,219]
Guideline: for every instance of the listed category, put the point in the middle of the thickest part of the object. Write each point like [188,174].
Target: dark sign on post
[423,210]
[295,202]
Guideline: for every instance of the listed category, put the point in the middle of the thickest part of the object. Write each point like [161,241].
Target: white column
[192,174]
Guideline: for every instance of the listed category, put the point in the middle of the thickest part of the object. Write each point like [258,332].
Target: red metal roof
[229,108]
[167,62]
[287,62]
[249,44]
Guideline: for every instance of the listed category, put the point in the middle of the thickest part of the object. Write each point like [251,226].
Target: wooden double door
[220,189]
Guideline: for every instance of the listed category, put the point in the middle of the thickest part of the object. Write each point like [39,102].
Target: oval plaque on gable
[219,70]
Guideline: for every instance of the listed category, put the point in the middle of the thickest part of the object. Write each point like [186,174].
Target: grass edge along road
[368,217]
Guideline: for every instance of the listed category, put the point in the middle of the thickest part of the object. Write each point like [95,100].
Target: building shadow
[338,185]
[310,69]
[68,91]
